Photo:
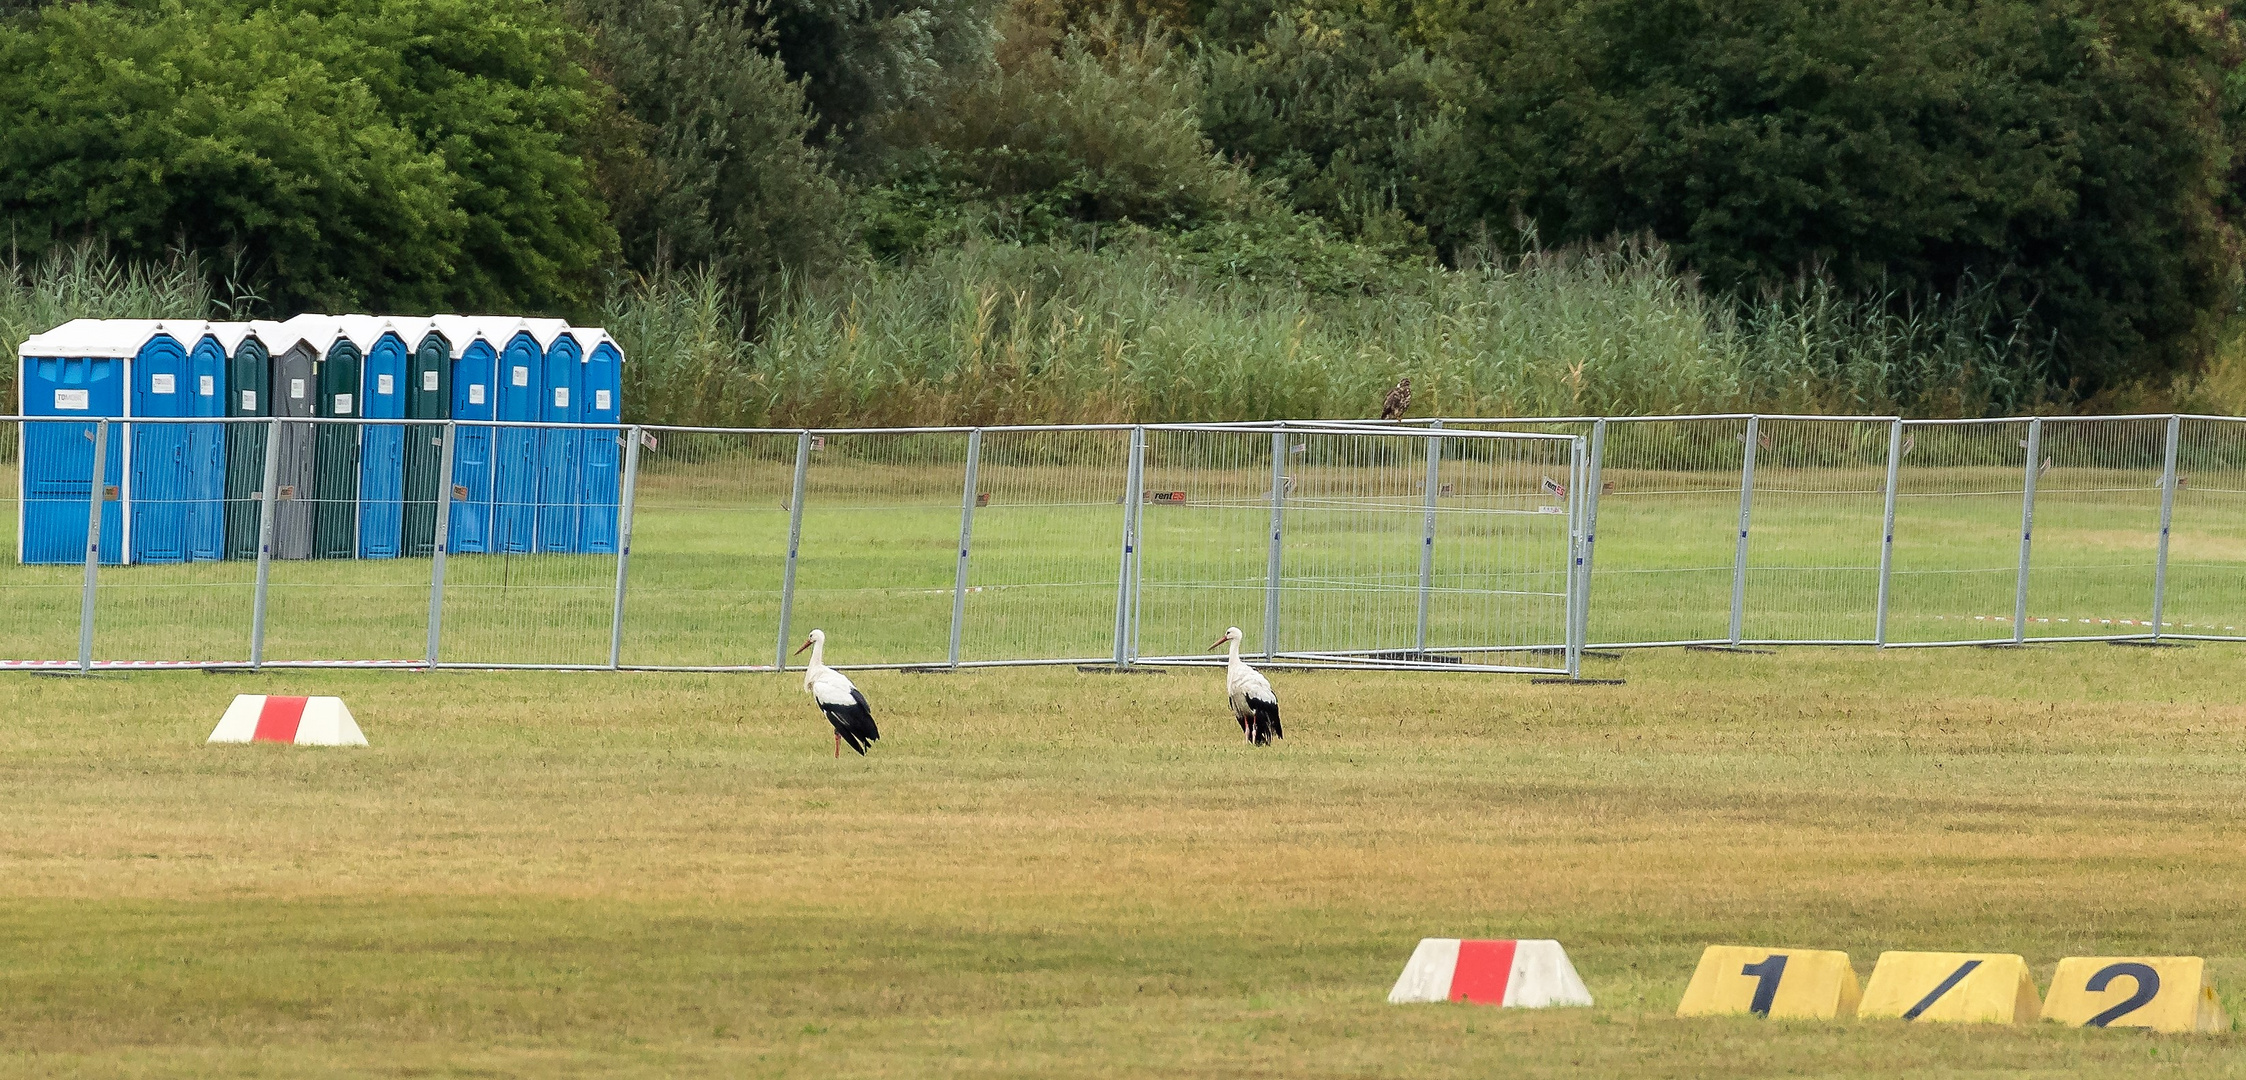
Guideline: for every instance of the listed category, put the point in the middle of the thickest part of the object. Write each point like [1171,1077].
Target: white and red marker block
[1525,974]
[304,721]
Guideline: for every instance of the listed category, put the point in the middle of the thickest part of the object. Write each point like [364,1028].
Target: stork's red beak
[806,645]
[1214,644]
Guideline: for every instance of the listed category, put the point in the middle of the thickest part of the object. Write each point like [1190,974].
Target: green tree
[2071,152]
[398,154]
[729,182]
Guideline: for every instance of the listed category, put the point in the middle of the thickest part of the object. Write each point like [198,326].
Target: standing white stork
[1253,703]
[845,707]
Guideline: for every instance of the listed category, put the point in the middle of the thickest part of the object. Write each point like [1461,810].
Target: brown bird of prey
[1399,399]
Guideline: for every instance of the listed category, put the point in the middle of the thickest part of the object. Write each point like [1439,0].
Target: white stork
[1253,703]
[845,707]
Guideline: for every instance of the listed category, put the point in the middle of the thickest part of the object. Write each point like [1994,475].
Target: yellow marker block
[2164,993]
[1956,988]
[1802,984]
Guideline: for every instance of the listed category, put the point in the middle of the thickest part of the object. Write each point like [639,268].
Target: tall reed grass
[993,333]
[85,281]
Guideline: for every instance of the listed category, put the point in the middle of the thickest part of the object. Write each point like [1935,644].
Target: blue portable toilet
[475,365]
[75,371]
[385,346]
[514,450]
[604,404]
[561,451]
[160,493]
[208,364]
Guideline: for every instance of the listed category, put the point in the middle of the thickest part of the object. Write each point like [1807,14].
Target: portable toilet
[604,401]
[385,355]
[297,347]
[209,363]
[475,365]
[249,392]
[74,371]
[514,472]
[160,493]
[561,451]
[335,453]
[428,397]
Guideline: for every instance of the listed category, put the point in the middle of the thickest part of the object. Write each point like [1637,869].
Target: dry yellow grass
[1043,873]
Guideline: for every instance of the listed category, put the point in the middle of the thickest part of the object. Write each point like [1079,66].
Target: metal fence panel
[1813,542]
[1044,545]
[1324,544]
[1959,488]
[173,597]
[2206,593]
[879,559]
[1205,541]
[2097,527]
[42,600]
[1668,530]
[709,544]
[513,603]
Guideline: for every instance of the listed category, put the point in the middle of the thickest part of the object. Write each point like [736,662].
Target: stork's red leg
[838,744]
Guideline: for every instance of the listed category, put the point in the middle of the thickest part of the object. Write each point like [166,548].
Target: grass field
[1040,872]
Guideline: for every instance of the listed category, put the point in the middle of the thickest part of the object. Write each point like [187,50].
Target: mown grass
[1043,872]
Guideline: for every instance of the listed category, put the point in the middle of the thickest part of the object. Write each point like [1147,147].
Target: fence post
[94,494]
[795,541]
[1278,504]
[966,537]
[1427,531]
[624,544]
[267,496]
[2027,530]
[1578,474]
[1138,540]
[1593,487]
[1746,511]
[2167,515]
[441,540]
[1124,595]
[1887,530]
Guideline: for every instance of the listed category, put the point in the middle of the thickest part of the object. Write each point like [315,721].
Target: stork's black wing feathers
[854,722]
[1265,721]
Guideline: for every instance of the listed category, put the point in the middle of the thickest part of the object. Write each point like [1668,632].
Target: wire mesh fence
[1458,544]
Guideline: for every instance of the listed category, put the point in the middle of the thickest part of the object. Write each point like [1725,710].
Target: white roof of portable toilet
[593,337]
[365,330]
[501,329]
[315,330]
[230,335]
[459,332]
[546,331]
[113,338]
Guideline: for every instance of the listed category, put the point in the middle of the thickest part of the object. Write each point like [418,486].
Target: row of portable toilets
[186,492]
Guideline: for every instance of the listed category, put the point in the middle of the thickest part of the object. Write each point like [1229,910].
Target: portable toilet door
[514,484]
[604,400]
[561,451]
[60,379]
[249,392]
[475,393]
[295,396]
[382,396]
[336,452]
[206,447]
[158,489]
[428,397]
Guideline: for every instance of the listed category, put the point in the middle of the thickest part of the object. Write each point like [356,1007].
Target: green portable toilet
[428,397]
[249,392]
[335,452]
